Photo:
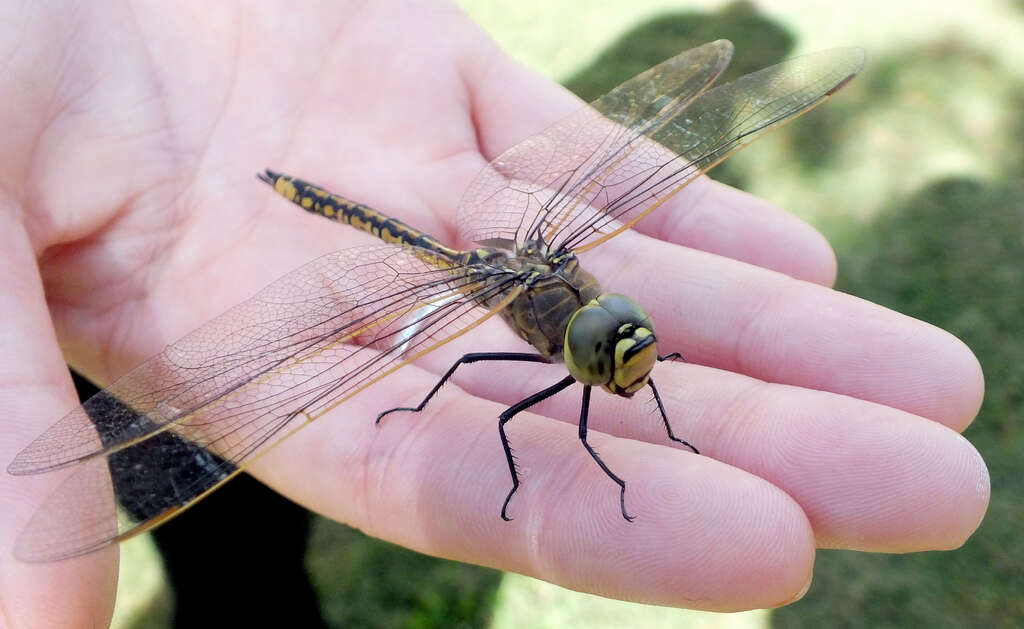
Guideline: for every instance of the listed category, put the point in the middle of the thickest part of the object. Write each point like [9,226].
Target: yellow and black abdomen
[315,199]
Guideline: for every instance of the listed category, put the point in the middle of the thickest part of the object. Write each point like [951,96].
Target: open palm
[129,197]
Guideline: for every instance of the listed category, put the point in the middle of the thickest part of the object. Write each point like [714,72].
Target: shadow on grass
[951,255]
[156,615]
[759,41]
[364,582]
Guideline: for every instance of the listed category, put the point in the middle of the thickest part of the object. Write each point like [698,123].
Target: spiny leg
[664,418]
[511,412]
[584,411]
[465,360]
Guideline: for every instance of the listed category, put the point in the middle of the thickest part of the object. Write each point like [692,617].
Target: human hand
[128,184]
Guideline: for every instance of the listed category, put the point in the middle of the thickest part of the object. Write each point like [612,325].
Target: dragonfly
[181,424]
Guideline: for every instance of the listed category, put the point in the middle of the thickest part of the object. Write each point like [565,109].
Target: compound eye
[590,344]
[626,311]
[635,351]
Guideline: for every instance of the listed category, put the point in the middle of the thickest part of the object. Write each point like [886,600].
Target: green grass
[914,172]
[362,582]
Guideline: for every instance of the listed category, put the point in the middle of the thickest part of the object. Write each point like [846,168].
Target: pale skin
[133,132]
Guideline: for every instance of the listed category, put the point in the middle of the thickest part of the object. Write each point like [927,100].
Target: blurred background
[915,172]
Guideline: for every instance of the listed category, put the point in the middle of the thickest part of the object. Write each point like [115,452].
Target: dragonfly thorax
[554,289]
[610,342]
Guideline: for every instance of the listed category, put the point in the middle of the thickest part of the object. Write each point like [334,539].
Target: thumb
[35,390]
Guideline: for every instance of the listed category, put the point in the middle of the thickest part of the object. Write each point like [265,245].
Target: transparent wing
[603,168]
[238,385]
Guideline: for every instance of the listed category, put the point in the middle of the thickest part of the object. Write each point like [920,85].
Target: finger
[742,318]
[511,103]
[435,481]
[869,477]
[35,388]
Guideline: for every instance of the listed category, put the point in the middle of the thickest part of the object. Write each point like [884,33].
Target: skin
[129,215]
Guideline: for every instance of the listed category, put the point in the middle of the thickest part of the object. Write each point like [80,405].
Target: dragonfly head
[610,342]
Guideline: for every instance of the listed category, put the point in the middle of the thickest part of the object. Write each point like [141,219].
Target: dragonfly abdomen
[315,199]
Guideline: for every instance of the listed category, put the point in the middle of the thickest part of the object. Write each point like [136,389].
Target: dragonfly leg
[465,360]
[584,411]
[511,412]
[672,356]
[664,418]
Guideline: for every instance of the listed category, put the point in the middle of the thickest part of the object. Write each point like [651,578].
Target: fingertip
[816,261]
[971,490]
[969,386]
[939,377]
[952,496]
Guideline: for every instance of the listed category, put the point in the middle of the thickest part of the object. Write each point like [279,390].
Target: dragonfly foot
[504,506]
[622,504]
[685,443]
[393,410]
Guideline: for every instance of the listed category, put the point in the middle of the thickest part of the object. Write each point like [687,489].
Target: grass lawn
[915,174]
